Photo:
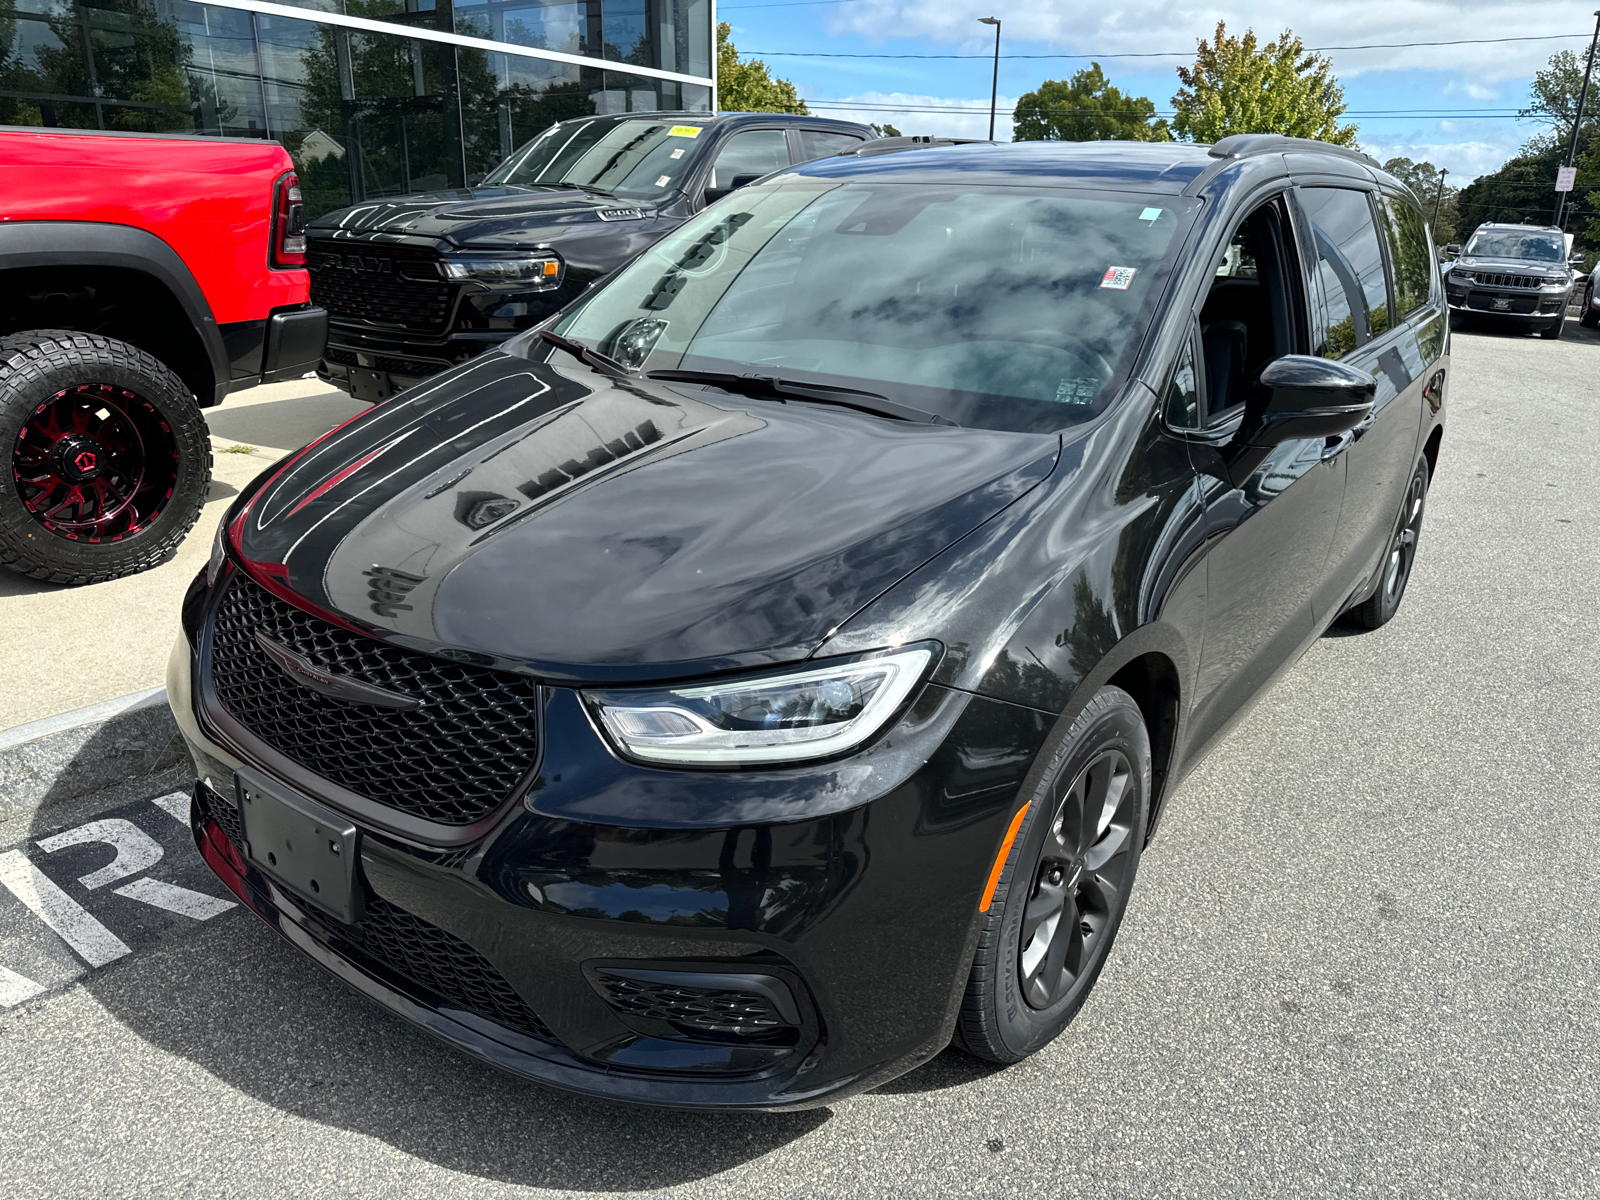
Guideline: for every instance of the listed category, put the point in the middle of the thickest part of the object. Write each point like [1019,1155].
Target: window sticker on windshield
[1076,391]
[1150,214]
[678,153]
[1118,277]
[664,180]
[688,131]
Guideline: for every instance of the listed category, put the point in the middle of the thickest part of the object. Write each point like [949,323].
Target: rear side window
[1355,297]
[816,144]
[753,152]
[1410,253]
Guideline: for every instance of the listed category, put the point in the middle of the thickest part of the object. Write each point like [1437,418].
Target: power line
[784,4]
[1391,114]
[1551,37]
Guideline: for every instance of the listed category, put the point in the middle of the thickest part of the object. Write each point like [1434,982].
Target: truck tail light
[288,223]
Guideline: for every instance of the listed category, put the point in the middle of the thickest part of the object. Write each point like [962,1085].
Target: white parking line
[94,943]
[136,849]
[14,988]
[174,898]
[175,805]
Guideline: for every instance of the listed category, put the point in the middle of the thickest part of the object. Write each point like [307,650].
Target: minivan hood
[554,519]
[486,216]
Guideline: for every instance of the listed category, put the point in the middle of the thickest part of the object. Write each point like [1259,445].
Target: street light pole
[1437,196]
[994,88]
[1572,144]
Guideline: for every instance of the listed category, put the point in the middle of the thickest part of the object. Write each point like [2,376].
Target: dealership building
[372,97]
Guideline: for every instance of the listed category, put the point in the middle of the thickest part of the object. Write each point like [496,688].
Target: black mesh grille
[225,815]
[1494,279]
[395,286]
[453,760]
[382,362]
[444,964]
[709,1009]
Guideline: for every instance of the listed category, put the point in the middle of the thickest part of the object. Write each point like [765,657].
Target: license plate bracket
[305,847]
[1500,302]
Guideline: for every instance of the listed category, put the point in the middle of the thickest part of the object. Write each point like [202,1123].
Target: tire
[107,457]
[1551,333]
[1588,318]
[1400,557]
[1016,1002]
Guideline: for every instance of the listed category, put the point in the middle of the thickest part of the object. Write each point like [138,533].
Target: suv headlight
[538,272]
[780,717]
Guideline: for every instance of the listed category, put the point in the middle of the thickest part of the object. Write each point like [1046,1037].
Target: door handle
[1335,446]
[1367,422]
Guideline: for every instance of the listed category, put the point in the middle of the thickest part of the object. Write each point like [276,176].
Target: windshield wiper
[823,393]
[590,357]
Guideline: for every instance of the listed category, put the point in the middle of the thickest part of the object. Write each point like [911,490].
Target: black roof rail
[889,145]
[1244,145]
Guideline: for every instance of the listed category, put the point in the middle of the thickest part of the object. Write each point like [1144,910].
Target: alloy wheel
[1403,547]
[1080,881]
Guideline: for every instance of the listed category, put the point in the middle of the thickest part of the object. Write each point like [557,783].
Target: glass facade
[364,113]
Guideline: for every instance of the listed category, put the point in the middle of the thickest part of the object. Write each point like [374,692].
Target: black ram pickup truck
[416,284]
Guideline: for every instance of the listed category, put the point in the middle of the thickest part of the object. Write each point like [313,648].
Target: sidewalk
[66,647]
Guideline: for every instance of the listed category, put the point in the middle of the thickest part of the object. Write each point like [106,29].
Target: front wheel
[1064,888]
[1588,318]
[1399,559]
[108,457]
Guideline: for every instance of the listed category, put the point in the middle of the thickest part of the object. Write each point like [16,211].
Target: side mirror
[1453,249]
[1575,261]
[737,182]
[1299,396]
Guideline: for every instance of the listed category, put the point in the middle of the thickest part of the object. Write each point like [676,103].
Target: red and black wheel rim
[95,463]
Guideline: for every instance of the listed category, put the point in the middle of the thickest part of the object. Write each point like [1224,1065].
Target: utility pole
[994,88]
[1437,196]
[1572,144]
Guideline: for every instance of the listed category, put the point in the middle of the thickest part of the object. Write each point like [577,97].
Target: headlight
[524,272]
[219,553]
[784,717]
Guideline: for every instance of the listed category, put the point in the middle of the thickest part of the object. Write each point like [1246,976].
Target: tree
[1423,179]
[886,130]
[1086,108]
[1234,87]
[1554,103]
[1521,192]
[748,86]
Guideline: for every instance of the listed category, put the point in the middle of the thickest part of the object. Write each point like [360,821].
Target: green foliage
[1522,192]
[748,86]
[1237,87]
[1554,103]
[886,130]
[1086,108]
[1423,179]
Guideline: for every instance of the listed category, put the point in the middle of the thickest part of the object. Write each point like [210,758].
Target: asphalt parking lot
[1361,957]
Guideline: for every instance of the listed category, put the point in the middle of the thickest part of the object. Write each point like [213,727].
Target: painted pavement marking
[175,899]
[136,849]
[14,988]
[175,805]
[93,942]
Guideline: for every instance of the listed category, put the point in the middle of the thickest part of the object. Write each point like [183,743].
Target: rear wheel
[107,457]
[1398,561]
[1062,894]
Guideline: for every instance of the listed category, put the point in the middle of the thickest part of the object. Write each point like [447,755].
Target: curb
[72,754]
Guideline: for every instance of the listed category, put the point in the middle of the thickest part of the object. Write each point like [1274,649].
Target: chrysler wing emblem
[340,687]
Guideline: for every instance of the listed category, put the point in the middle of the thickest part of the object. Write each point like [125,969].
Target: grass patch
[238,449]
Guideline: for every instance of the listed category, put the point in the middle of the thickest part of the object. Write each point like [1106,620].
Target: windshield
[993,306]
[1510,243]
[623,156]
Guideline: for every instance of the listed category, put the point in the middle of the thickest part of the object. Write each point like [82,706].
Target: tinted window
[1350,267]
[994,306]
[816,144]
[1517,243]
[1183,393]
[754,152]
[1410,253]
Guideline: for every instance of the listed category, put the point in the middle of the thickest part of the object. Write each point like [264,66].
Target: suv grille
[444,964]
[453,760]
[395,287]
[1494,279]
[420,367]
[704,1010]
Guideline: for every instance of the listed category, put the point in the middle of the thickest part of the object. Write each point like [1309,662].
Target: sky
[1454,106]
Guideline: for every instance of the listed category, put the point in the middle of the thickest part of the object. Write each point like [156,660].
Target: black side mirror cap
[1453,249]
[1299,396]
[737,182]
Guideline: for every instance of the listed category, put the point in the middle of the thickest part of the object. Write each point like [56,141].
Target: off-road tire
[36,367]
[997,1022]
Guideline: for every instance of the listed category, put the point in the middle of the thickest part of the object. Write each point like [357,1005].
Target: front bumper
[866,916]
[1529,309]
[374,367]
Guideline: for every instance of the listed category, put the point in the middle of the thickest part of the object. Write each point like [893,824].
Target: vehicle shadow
[235,1001]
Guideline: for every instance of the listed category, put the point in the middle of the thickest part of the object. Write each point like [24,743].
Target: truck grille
[453,760]
[1493,279]
[392,287]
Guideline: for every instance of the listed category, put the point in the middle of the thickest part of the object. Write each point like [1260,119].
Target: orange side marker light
[1000,859]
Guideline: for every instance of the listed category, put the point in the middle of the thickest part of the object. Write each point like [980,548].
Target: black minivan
[737,688]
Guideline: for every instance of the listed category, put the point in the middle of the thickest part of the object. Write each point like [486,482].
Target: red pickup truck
[142,278]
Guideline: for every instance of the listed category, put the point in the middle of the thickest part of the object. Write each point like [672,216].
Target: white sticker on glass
[1150,214]
[664,180]
[678,153]
[1118,277]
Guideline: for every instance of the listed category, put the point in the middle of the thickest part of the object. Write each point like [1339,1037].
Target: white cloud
[1143,26]
[938,116]
[1464,160]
